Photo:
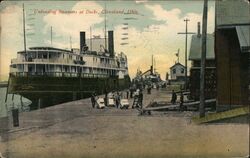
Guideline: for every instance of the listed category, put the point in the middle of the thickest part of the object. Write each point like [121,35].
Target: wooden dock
[75,129]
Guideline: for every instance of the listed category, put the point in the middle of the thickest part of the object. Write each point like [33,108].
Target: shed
[232,53]
[177,71]
[210,71]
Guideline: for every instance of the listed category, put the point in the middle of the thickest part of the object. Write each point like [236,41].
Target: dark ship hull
[48,90]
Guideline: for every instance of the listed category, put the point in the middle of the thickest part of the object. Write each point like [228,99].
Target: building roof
[176,65]
[231,12]
[195,48]
[243,33]
[48,48]
[235,14]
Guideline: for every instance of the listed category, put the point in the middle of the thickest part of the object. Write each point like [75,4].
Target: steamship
[49,76]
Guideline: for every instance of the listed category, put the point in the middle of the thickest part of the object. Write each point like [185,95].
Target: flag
[177,54]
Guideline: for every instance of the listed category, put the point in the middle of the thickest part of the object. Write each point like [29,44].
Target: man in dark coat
[140,98]
[117,100]
[106,97]
[181,100]
[93,100]
[174,97]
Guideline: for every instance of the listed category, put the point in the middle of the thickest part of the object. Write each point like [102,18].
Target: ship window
[40,56]
[44,56]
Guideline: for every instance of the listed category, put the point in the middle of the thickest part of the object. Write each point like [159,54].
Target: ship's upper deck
[49,59]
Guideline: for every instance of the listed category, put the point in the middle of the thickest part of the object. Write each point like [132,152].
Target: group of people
[138,99]
[174,98]
[117,96]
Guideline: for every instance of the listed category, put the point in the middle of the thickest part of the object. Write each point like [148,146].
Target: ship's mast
[178,55]
[24,34]
[70,40]
[90,31]
[51,35]
[105,28]
[152,66]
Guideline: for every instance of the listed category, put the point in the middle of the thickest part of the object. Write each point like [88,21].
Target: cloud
[160,40]
[11,35]
[71,24]
[140,1]
[163,15]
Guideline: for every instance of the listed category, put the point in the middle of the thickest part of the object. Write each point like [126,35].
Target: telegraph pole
[203,60]
[186,33]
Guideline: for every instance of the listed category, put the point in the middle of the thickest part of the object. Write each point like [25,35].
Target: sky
[153,28]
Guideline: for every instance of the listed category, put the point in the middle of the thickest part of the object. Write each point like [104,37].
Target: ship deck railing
[58,74]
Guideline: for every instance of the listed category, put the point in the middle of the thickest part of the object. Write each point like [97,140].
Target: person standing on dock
[157,86]
[127,93]
[181,101]
[106,97]
[174,97]
[93,100]
[140,98]
[131,92]
[117,99]
[149,89]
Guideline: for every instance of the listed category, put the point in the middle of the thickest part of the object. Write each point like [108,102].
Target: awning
[243,33]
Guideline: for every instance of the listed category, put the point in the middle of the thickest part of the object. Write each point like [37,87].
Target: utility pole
[186,33]
[203,60]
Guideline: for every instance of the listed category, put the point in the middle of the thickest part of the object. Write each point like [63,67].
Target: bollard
[15,116]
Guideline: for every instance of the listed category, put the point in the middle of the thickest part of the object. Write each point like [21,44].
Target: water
[5,108]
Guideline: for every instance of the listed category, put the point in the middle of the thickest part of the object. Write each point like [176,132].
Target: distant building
[232,49]
[210,71]
[177,74]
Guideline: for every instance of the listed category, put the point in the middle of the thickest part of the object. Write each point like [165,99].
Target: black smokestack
[111,43]
[82,41]
[199,29]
